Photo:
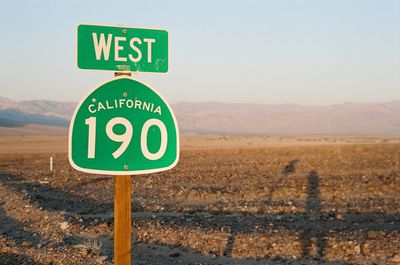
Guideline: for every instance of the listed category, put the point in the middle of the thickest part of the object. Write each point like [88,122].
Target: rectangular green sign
[122,49]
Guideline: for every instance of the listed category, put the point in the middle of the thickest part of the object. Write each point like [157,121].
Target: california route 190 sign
[123,127]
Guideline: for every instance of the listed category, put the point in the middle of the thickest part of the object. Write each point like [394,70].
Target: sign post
[123,127]
[122,220]
[122,216]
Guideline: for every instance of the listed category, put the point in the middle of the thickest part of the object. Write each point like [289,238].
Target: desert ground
[230,200]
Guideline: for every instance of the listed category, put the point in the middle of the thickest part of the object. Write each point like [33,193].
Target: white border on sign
[111,172]
[120,26]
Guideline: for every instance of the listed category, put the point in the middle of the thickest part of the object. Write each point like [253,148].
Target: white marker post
[51,163]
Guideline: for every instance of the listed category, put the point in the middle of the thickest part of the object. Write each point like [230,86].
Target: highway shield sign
[123,127]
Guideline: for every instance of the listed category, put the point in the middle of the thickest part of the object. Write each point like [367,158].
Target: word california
[124,103]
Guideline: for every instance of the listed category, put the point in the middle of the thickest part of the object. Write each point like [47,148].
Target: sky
[272,52]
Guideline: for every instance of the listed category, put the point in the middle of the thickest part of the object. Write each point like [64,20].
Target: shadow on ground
[312,224]
[16,259]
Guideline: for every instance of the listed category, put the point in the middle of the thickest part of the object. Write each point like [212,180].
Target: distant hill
[234,118]
[348,118]
[46,112]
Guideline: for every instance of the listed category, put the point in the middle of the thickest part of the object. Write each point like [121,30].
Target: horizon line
[227,103]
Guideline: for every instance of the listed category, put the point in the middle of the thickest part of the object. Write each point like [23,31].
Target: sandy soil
[326,201]
[34,130]
[59,143]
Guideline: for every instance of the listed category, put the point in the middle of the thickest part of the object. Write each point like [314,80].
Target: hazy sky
[305,52]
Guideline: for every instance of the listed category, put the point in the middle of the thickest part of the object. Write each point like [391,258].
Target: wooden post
[122,216]
[121,73]
[122,220]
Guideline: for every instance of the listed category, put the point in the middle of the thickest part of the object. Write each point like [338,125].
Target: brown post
[122,216]
[121,73]
[122,220]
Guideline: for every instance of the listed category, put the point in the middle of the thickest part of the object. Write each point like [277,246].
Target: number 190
[126,137]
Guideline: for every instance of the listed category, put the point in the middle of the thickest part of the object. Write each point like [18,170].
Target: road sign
[122,49]
[123,128]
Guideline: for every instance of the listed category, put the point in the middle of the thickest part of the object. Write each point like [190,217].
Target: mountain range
[234,118]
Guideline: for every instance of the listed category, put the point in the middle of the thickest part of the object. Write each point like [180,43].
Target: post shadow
[55,199]
[13,229]
[13,258]
[286,171]
[310,235]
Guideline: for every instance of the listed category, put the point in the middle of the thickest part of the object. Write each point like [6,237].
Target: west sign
[122,49]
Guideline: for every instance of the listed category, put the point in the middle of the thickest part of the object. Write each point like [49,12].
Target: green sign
[123,128]
[122,49]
